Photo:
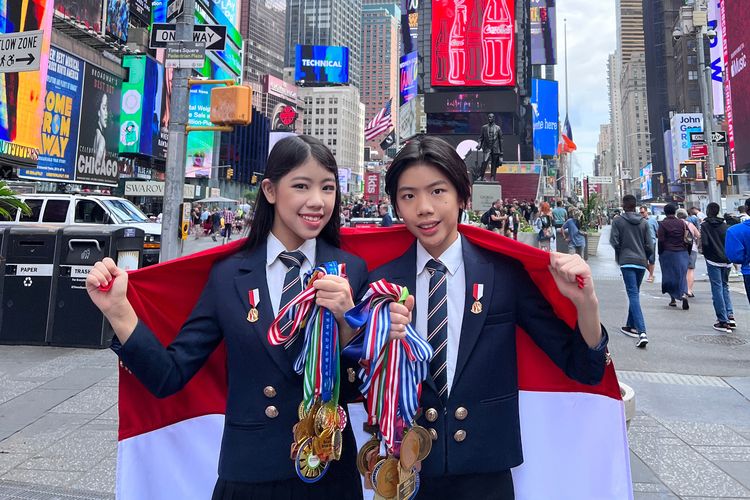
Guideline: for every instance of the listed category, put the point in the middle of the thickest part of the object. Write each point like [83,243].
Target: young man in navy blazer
[470,400]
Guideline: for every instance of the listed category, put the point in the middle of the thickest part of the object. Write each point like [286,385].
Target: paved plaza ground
[690,438]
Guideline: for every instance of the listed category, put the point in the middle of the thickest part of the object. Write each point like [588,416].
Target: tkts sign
[473,43]
[372,186]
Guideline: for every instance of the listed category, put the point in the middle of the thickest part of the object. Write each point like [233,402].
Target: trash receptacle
[31,255]
[77,321]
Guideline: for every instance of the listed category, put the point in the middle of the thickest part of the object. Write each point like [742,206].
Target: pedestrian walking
[674,245]
[458,289]
[653,227]
[738,247]
[228,224]
[713,235]
[216,223]
[692,224]
[573,235]
[633,246]
[296,228]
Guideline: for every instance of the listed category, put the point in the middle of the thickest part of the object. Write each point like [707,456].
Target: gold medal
[408,484]
[309,466]
[327,417]
[337,442]
[385,478]
[476,307]
[425,441]
[409,450]
[362,455]
[252,315]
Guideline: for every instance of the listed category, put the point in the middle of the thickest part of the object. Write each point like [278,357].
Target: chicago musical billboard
[473,43]
[321,64]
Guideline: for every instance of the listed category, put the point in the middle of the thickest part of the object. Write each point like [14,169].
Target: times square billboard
[735,22]
[473,43]
[321,64]
[543,32]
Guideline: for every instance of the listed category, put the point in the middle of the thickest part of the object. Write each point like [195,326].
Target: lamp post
[714,195]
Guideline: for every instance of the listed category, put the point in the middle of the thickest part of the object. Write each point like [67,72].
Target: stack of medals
[392,376]
[318,434]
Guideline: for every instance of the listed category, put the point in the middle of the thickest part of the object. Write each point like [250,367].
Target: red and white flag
[574,436]
[380,123]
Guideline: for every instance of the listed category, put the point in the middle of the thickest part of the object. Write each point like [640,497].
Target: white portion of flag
[177,461]
[380,123]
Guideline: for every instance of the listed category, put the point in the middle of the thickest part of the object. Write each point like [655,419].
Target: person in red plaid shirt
[228,223]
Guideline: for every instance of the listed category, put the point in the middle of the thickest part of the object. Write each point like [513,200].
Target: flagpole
[568,166]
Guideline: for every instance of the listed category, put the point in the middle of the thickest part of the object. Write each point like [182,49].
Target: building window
[692,75]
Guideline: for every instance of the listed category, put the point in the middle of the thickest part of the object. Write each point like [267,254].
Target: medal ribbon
[318,360]
[393,369]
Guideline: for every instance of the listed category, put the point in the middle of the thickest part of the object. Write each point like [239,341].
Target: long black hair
[430,151]
[288,154]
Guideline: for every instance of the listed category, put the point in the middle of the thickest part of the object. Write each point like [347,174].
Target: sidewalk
[690,438]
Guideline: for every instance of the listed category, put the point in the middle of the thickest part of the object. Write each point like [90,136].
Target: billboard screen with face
[473,43]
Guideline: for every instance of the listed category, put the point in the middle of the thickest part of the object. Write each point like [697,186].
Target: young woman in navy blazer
[473,418]
[297,209]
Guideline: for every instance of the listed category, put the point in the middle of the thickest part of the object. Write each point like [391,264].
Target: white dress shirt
[453,259]
[276,269]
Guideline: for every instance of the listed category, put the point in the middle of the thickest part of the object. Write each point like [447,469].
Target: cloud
[592,36]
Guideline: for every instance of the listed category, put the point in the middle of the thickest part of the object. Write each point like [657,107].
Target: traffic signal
[719,174]
[254,180]
[230,173]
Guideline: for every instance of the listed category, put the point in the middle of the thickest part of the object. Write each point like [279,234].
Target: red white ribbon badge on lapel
[476,307]
[254,298]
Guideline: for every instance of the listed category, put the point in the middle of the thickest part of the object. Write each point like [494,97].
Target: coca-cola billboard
[372,186]
[473,43]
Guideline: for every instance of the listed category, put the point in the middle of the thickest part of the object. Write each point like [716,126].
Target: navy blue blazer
[478,430]
[263,389]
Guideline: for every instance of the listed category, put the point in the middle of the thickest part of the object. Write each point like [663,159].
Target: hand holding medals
[393,373]
[318,434]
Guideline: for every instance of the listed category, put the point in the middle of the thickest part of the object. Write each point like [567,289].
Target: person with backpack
[713,235]
[492,218]
[544,225]
[693,237]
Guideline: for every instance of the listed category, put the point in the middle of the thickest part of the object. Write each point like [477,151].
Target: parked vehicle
[65,209]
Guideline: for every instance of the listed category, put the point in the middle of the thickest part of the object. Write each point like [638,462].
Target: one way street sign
[20,51]
[719,137]
[213,35]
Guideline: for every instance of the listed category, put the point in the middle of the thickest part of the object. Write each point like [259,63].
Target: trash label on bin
[80,271]
[33,269]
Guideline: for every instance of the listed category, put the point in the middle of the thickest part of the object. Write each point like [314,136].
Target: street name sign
[719,137]
[185,55]
[699,151]
[213,35]
[697,137]
[20,51]
[600,179]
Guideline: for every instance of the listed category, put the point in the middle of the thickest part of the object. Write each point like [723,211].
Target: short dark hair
[288,154]
[670,209]
[713,209]
[629,202]
[747,203]
[434,152]
[559,203]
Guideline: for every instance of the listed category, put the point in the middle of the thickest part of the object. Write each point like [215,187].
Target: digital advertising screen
[22,94]
[86,12]
[408,73]
[62,112]
[545,109]
[140,11]
[321,64]
[736,20]
[142,131]
[543,32]
[647,189]
[473,43]
[118,15]
[681,125]
[98,139]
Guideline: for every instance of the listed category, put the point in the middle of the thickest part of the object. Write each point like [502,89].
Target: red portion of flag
[164,295]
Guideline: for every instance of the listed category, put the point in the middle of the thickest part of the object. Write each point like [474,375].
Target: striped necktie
[292,287]
[437,325]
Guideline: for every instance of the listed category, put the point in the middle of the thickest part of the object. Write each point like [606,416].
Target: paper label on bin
[33,269]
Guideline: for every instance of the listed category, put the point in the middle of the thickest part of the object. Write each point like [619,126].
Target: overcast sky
[591,38]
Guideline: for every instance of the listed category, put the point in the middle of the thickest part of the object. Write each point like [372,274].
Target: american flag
[380,123]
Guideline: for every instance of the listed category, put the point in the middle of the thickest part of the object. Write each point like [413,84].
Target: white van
[67,209]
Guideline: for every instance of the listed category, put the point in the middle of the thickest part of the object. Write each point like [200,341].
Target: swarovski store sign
[156,188]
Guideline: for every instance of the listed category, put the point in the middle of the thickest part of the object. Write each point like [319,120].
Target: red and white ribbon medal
[476,307]
[254,298]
